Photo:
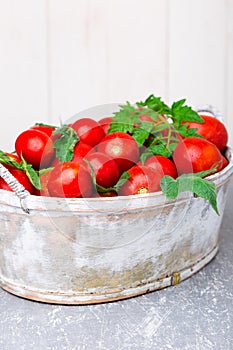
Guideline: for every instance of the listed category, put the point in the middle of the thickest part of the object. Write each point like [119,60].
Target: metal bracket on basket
[14,184]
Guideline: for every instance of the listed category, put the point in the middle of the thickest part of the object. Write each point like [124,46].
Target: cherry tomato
[163,164]
[105,169]
[143,179]
[36,148]
[81,150]
[122,148]
[21,177]
[195,154]
[70,180]
[89,131]
[105,123]
[225,162]
[213,130]
[48,130]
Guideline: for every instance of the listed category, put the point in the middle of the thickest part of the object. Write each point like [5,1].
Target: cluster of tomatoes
[103,163]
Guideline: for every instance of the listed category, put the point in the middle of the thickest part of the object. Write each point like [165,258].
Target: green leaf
[120,127]
[187,132]
[31,174]
[43,124]
[66,142]
[140,136]
[156,104]
[193,183]
[169,186]
[5,159]
[122,180]
[44,171]
[160,127]
[159,149]
[181,112]
[124,119]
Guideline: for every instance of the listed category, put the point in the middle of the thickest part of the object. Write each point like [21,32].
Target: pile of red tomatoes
[88,159]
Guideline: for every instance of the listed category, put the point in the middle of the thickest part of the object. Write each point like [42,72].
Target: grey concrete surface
[197,314]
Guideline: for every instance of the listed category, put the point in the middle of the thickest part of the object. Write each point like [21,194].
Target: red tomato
[105,169]
[70,180]
[224,162]
[48,130]
[89,131]
[105,123]
[44,184]
[36,148]
[143,179]
[194,154]
[81,150]
[163,164]
[21,177]
[122,148]
[213,130]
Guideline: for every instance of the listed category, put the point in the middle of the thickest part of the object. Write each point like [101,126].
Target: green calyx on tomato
[65,143]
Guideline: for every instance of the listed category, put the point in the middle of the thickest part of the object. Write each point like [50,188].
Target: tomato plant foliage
[129,137]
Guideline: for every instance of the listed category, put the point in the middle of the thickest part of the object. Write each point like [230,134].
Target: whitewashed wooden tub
[78,251]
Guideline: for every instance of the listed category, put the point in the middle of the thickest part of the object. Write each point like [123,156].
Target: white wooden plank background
[23,79]
[59,57]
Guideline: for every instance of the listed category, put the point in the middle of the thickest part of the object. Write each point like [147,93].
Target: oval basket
[79,251]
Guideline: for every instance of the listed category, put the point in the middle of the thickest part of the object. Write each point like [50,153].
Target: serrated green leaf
[31,174]
[66,142]
[169,187]
[178,104]
[124,119]
[140,136]
[156,104]
[192,183]
[182,113]
[120,127]
[160,150]
[187,132]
